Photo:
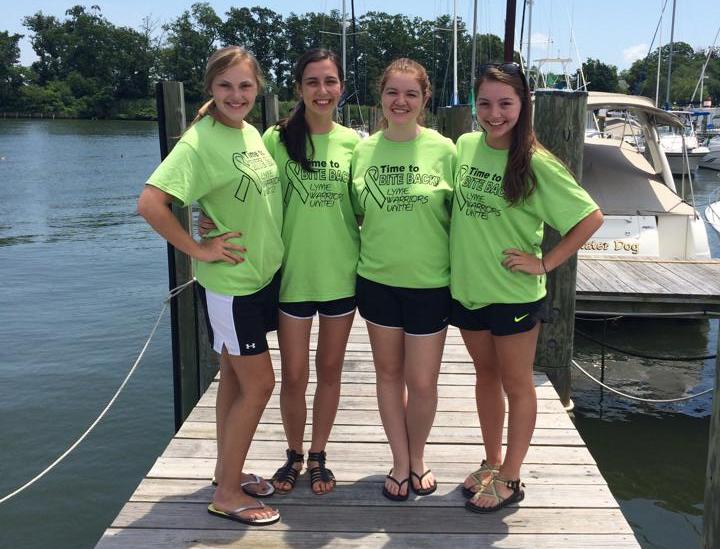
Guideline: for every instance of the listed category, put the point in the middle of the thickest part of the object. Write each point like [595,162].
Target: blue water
[83,280]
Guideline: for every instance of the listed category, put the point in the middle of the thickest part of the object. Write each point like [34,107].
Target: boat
[681,145]
[711,160]
[644,213]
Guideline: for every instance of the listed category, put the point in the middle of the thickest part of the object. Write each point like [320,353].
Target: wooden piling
[194,363]
[454,121]
[270,110]
[560,126]
[711,512]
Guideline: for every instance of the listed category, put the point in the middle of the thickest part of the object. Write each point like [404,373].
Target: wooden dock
[648,286]
[567,504]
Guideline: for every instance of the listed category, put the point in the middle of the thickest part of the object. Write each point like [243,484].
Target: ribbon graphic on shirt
[293,172]
[372,188]
[462,172]
[248,176]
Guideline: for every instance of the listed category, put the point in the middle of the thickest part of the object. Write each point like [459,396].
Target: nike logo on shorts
[519,318]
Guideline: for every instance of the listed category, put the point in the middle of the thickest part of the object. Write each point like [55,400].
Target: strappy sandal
[481,477]
[320,473]
[287,473]
[489,490]
[398,496]
[422,491]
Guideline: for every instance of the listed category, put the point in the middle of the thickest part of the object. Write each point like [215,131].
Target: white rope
[174,292]
[654,400]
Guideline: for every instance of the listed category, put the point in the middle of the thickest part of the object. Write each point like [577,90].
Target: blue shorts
[307,309]
[500,318]
[417,311]
[240,323]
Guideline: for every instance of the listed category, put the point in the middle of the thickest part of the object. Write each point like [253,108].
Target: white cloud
[633,53]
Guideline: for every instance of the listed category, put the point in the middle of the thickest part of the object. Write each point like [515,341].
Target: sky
[618,33]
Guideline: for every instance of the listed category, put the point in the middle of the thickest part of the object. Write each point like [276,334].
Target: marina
[568,503]
[631,465]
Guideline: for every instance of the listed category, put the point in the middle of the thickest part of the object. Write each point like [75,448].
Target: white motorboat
[711,160]
[681,145]
[644,214]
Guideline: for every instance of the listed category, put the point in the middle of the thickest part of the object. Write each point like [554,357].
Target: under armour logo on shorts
[249,345]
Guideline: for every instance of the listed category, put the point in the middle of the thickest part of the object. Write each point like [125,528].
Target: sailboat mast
[672,38]
[659,62]
[473,59]
[344,39]
[529,38]
[455,100]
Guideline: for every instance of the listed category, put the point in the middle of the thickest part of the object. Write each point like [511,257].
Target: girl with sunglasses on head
[402,186]
[237,267]
[320,234]
[506,186]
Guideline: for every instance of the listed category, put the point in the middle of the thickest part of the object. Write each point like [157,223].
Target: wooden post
[711,512]
[270,110]
[454,121]
[560,126]
[193,369]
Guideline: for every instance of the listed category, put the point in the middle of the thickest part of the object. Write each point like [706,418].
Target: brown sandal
[481,476]
[489,490]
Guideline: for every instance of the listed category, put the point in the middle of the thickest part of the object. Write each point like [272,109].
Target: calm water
[83,281]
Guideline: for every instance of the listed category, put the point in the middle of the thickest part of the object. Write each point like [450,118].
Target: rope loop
[173,293]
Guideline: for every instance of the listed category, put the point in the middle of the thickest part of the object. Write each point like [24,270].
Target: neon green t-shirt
[320,230]
[484,224]
[230,174]
[404,192]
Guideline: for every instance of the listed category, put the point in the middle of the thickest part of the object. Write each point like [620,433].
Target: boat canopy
[620,101]
[623,182]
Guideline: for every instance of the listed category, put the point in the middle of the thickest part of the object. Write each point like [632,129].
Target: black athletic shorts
[500,318]
[307,309]
[418,311]
[241,323]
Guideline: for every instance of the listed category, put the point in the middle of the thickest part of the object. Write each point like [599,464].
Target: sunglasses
[511,69]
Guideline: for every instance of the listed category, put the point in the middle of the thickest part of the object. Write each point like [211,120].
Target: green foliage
[687,64]
[11,75]
[89,67]
[599,76]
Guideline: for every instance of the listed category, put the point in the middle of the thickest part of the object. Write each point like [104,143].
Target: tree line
[89,67]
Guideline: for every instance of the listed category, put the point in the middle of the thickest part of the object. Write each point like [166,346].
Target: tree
[599,76]
[260,30]
[11,77]
[191,40]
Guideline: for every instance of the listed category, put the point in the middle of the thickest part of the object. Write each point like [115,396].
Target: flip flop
[257,480]
[235,515]
[422,491]
[398,496]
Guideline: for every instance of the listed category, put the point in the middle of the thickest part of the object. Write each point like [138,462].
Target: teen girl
[402,185]
[507,185]
[222,164]
[321,240]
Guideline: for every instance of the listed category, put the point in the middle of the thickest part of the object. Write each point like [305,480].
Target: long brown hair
[294,131]
[218,63]
[409,66]
[519,181]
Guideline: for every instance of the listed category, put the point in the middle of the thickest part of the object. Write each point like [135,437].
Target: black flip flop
[398,496]
[422,491]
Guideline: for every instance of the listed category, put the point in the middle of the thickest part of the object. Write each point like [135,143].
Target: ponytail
[206,108]
[294,134]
